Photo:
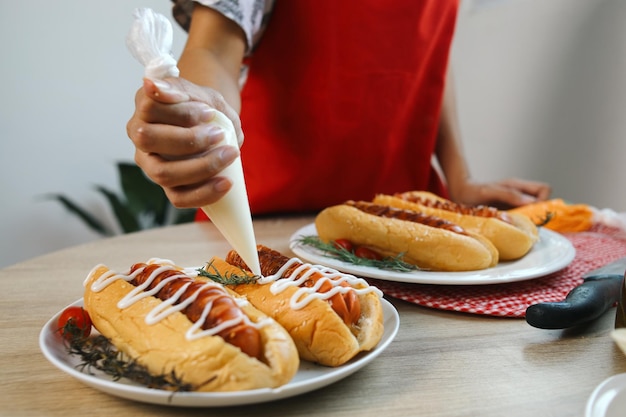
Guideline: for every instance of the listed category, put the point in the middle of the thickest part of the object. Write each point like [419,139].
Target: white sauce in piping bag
[231,214]
[150,41]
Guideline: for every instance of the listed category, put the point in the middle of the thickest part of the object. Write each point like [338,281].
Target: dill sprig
[340,253]
[211,272]
[543,221]
[97,352]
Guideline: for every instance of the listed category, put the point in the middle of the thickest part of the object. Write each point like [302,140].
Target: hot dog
[429,242]
[170,320]
[331,316]
[512,234]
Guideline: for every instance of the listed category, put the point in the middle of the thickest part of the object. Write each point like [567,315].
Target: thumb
[163,91]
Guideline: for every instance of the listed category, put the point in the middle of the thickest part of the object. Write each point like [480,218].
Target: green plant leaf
[128,221]
[184,216]
[142,205]
[93,223]
[142,195]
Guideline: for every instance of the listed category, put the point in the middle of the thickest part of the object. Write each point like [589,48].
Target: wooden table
[440,364]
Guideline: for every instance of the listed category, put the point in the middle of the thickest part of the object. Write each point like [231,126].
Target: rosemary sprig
[342,254]
[97,352]
[214,274]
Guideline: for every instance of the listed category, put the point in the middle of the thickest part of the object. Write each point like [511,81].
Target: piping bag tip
[232,218]
[235,224]
[236,230]
[231,214]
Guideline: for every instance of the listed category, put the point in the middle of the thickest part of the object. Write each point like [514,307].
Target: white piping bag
[150,42]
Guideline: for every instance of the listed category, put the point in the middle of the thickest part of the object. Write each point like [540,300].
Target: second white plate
[551,253]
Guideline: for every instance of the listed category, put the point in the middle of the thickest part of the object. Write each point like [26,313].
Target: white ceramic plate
[608,399]
[551,253]
[308,378]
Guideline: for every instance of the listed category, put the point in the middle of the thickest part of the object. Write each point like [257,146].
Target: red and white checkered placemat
[594,248]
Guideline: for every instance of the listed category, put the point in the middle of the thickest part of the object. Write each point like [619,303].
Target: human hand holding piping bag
[203,127]
[176,144]
[172,120]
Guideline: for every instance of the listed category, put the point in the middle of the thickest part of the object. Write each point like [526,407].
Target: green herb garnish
[97,352]
[342,254]
[212,273]
[545,220]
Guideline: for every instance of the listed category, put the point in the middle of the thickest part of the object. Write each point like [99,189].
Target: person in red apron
[341,100]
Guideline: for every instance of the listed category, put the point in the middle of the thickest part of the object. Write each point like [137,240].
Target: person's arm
[214,53]
[511,192]
[449,150]
[175,143]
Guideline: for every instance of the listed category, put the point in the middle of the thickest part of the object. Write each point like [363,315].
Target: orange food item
[345,304]
[563,217]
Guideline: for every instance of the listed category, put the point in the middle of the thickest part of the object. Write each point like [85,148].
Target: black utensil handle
[584,303]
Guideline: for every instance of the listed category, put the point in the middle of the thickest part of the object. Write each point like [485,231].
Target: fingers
[163,91]
[504,194]
[179,90]
[175,108]
[526,192]
[174,142]
[507,197]
[162,105]
[191,182]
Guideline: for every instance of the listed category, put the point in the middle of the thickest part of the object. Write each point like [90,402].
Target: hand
[504,194]
[175,143]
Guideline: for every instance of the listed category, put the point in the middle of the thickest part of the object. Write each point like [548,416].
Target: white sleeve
[250,15]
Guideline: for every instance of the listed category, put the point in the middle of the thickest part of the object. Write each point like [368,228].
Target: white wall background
[541,84]
[542,94]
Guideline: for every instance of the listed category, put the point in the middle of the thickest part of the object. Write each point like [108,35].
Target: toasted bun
[207,363]
[512,240]
[427,247]
[319,333]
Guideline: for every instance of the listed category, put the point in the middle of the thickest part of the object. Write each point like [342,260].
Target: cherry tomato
[366,253]
[74,322]
[343,243]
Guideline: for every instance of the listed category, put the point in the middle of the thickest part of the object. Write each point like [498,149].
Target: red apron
[343,100]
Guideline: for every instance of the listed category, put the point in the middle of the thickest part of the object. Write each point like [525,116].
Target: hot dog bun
[320,333]
[512,234]
[206,362]
[428,247]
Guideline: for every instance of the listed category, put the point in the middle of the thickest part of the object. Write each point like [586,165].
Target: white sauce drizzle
[304,295]
[169,306]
